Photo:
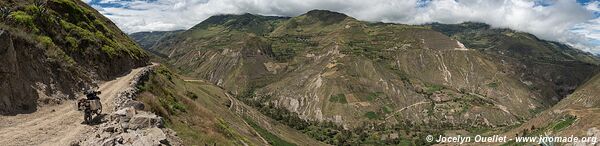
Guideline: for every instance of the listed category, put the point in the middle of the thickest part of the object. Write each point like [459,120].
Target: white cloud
[593,6]
[561,20]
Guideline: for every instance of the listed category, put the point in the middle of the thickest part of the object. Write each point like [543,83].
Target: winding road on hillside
[400,110]
[235,107]
[58,124]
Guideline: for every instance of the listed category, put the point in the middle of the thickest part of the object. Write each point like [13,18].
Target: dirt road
[59,124]
[400,110]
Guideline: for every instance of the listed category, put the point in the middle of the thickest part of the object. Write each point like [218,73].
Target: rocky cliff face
[52,49]
[28,77]
[18,100]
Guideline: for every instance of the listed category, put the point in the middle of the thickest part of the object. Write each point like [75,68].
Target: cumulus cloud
[565,21]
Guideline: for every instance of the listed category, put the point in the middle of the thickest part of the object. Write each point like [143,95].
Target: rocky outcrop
[129,125]
[27,75]
[9,71]
[62,49]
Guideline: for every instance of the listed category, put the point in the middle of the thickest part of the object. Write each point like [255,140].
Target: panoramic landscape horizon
[295,73]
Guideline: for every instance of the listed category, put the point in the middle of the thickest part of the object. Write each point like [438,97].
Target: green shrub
[493,85]
[85,25]
[284,54]
[224,128]
[191,95]
[84,34]
[71,10]
[105,39]
[178,106]
[32,8]
[66,25]
[23,18]
[434,88]
[101,26]
[339,98]
[73,43]
[37,10]
[47,41]
[371,115]
[564,123]
[55,52]
[372,96]
[109,50]
[270,137]
[386,109]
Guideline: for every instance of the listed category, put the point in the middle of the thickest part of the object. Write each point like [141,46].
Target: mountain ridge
[356,73]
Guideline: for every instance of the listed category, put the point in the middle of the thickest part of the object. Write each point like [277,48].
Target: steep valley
[324,67]
[202,113]
[318,78]
[575,115]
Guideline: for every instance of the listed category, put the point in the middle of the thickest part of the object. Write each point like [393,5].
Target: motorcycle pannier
[95,104]
[79,107]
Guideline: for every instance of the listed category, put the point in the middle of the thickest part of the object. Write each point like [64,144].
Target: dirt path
[60,124]
[202,81]
[400,110]
[235,105]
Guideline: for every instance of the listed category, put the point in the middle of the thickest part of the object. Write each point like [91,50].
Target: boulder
[153,136]
[125,114]
[109,142]
[145,120]
[110,129]
[135,104]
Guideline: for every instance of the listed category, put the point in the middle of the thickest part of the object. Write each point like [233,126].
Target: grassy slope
[64,44]
[75,33]
[270,137]
[62,20]
[198,112]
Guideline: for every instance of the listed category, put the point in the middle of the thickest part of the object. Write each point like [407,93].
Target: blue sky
[574,22]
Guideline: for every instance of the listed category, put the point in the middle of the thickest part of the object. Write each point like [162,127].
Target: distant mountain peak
[317,12]
[236,20]
[326,15]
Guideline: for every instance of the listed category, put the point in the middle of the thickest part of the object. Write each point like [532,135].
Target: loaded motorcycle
[90,105]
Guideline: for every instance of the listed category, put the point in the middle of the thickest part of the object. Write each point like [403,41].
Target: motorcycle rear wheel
[87,117]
